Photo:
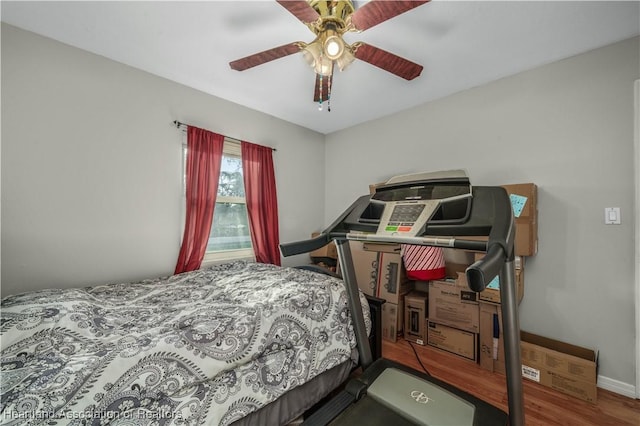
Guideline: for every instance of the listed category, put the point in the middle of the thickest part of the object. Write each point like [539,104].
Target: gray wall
[92,166]
[568,127]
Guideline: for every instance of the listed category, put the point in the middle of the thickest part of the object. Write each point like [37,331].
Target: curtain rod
[179,124]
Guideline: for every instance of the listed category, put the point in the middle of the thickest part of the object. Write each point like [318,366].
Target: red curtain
[262,202]
[204,157]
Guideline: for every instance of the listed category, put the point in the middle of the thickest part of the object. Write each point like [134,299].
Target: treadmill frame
[499,260]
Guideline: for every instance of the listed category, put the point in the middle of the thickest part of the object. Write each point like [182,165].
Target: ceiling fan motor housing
[336,9]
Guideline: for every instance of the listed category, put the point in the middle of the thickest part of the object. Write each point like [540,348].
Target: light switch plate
[612,215]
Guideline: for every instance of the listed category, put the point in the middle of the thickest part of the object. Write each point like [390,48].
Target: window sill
[225,257]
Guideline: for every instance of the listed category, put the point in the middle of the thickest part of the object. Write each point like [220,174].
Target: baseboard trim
[616,386]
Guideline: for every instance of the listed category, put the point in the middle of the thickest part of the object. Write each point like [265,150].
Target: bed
[238,342]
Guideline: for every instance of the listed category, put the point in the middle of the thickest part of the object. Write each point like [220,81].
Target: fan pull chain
[329,95]
[320,94]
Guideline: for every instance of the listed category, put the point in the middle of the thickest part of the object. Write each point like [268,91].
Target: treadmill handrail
[451,242]
[305,246]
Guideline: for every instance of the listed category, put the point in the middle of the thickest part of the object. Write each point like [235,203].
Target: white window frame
[231,148]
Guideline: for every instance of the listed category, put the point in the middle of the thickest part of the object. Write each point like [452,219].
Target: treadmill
[439,209]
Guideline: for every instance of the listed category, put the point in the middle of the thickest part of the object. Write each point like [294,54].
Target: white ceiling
[460,44]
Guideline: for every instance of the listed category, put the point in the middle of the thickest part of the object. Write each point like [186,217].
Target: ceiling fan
[329,20]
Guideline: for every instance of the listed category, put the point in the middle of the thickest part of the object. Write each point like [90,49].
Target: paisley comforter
[203,347]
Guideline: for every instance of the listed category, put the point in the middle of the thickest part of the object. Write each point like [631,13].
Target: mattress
[204,347]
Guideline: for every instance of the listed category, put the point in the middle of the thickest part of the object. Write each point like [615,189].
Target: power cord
[418,357]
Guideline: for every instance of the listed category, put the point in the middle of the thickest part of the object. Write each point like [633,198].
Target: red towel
[423,263]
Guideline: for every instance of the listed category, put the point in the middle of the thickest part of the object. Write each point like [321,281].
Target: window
[230,236]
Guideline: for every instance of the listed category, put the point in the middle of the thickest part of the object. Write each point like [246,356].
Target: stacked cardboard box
[416,312]
[452,303]
[459,320]
[492,292]
[325,257]
[391,320]
[454,317]
[460,342]
[365,264]
[564,367]
[382,274]
[454,308]
[329,251]
[373,186]
[524,201]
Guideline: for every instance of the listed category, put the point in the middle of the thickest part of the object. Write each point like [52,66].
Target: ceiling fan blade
[388,61]
[326,84]
[300,9]
[377,11]
[263,57]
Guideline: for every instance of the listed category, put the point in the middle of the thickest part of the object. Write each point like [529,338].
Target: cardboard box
[526,242]
[491,351]
[492,292]
[456,260]
[392,319]
[365,264]
[392,278]
[570,369]
[460,342]
[416,312]
[373,186]
[330,250]
[452,269]
[380,274]
[452,303]
[524,201]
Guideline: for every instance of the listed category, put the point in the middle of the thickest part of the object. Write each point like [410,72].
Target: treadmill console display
[406,218]
[406,213]
[408,205]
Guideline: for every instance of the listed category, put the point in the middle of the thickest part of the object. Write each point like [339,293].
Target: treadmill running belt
[389,389]
[420,401]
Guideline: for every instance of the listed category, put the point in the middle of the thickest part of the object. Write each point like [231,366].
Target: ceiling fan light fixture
[317,59]
[345,59]
[312,53]
[323,66]
[333,46]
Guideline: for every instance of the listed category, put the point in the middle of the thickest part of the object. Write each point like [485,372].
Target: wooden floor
[543,406]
